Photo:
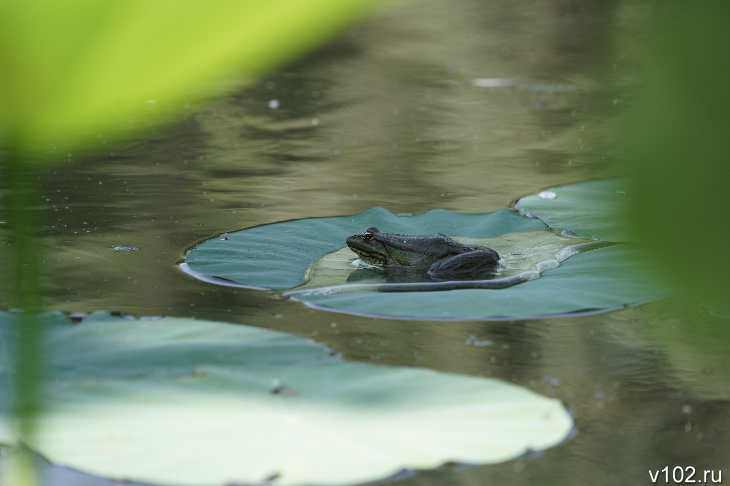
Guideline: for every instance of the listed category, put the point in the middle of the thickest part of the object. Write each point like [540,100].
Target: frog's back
[422,250]
[377,247]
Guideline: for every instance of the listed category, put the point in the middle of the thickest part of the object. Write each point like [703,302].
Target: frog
[437,253]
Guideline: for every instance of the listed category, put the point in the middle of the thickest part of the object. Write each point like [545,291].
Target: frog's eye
[367,236]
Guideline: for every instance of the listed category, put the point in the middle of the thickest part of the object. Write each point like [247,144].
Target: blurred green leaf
[177,401]
[106,67]
[693,341]
[678,147]
[81,72]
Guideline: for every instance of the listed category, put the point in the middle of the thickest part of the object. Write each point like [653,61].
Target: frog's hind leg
[470,262]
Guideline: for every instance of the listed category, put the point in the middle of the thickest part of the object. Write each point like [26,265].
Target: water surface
[390,115]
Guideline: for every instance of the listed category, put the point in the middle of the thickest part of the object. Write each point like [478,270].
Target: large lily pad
[601,279]
[277,256]
[177,401]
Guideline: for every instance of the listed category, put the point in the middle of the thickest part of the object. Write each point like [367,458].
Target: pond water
[464,106]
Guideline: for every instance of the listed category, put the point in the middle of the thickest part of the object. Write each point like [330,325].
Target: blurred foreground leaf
[81,72]
[679,148]
[694,344]
[178,401]
[79,69]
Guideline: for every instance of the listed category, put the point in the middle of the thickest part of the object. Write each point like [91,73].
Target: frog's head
[369,248]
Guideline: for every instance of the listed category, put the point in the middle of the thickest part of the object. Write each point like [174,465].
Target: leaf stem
[20,196]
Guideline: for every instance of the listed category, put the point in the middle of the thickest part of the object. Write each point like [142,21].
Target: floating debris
[547,195]
[492,82]
[126,248]
[511,83]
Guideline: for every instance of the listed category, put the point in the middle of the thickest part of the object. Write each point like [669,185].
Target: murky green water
[391,115]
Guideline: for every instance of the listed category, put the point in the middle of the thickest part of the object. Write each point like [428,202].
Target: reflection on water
[386,116]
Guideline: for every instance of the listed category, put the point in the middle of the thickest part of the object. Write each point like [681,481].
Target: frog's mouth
[369,257]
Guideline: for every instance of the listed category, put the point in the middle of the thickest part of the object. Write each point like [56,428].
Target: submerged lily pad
[178,401]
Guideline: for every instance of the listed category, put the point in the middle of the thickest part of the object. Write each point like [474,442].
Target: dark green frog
[438,253]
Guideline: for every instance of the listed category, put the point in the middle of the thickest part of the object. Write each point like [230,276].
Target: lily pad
[178,401]
[593,210]
[598,280]
[277,256]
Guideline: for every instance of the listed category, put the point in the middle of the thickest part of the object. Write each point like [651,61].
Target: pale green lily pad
[178,401]
[593,210]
